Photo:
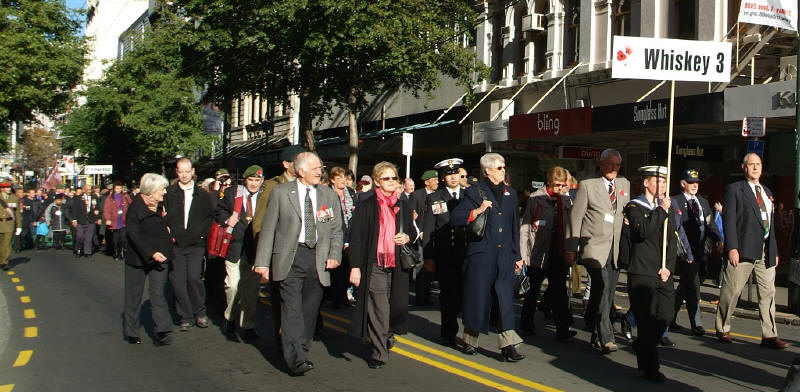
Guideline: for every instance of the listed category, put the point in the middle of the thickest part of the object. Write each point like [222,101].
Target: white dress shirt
[456,190]
[188,194]
[767,201]
[301,193]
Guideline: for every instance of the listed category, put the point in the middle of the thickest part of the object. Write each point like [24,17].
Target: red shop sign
[572,152]
[548,124]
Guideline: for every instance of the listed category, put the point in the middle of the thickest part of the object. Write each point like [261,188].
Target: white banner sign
[754,127]
[776,13]
[408,144]
[98,169]
[671,59]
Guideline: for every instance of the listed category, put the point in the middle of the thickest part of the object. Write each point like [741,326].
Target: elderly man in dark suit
[490,262]
[594,231]
[300,242]
[84,215]
[750,241]
[695,213]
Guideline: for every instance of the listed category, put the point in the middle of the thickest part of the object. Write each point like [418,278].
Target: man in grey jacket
[596,225]
[307,216]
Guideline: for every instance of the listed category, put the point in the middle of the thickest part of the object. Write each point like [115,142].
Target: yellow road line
[29,313]
[477,366]
[31,332]
[7,388]
[25,299]
[23,358]
[335,317]
[334,327]
[455,371]
[11,273]
[14,280]
[20,288]
[756,338]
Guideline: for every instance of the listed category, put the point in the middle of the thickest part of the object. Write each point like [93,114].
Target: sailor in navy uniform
[650,286]
[445,245]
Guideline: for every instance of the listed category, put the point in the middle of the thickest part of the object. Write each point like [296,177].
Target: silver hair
[301,161]
[610,153]
[152,182]
[744,159]
[490,160]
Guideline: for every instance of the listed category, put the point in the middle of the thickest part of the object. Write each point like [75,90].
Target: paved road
[60,330]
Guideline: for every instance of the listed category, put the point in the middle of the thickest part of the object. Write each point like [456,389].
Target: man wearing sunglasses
[596,225]
[445,245]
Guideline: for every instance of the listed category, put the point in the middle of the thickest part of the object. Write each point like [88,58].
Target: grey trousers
[301,295]
[689,290]
[134,290]
[84,235]
[604,283]
[380,288]
[186,277]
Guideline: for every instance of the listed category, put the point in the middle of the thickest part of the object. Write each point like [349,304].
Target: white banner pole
[408,166]
[669,164]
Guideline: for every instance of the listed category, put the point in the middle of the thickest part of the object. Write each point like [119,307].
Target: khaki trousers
[5,247]
[733,281]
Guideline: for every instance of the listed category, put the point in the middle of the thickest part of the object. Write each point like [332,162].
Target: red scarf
[386,228]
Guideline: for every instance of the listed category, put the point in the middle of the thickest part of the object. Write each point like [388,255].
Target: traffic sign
[98,169]
[408,144]
[754,127]
[756,146]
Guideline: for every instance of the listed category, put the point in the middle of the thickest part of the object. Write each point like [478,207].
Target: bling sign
[548,124]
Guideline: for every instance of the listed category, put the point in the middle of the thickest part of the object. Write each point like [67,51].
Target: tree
[39,149]
[329,52]
[142,110]
[42,55]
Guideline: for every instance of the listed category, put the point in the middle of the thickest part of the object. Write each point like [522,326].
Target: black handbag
[522,284]
[409,257]
[477,227]
[683,254]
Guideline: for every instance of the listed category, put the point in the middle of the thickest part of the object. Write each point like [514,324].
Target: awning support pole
[553,88]
[478,104]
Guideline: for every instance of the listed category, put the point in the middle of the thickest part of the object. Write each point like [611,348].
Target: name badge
[609,218]
[540,223]
[58,213]
[119,212]
[763,215]
[439,207]
[12,205]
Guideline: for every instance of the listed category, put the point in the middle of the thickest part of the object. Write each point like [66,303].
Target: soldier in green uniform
[10,222]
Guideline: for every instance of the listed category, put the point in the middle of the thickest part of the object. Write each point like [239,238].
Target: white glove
[19,230]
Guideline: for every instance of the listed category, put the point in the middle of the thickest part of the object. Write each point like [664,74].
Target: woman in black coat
[150,248]
[382,307]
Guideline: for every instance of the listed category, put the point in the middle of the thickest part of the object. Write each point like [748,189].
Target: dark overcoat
[489,262]
[364,255]
[744,229]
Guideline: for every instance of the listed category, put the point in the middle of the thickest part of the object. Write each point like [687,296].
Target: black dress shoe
[250,334]
[470,350]
[375,364]
[163,339]
[698,331]
[390,342]
[302,368]
[133,339]
[655,376]
[626,329]
[510,354]
[230,331]
[563,336]
[666,342]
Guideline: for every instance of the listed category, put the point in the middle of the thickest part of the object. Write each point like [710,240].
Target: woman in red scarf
[375,240]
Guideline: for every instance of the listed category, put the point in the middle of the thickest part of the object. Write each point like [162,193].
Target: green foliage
[42,58]
[142,110]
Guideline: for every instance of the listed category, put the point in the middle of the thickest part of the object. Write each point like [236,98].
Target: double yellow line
[452,364]
[24,356]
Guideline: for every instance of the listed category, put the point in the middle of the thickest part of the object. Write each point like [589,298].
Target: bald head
[185,171]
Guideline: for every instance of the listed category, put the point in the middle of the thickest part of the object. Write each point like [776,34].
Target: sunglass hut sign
[671,59]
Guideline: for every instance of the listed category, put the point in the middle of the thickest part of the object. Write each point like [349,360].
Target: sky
[77,4]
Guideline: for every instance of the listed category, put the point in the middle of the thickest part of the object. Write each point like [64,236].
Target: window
[622,17]
[686,19]
[572,41]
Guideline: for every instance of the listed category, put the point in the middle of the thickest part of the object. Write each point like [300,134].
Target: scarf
[498,190]
[386,228]
[347,207]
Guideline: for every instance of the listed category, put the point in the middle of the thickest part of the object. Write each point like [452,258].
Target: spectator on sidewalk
[114,209]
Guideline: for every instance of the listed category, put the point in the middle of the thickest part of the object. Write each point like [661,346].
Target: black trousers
[449,273]
[689,289]
[119,241]
[84,235]
[58,239]
[134,290]
[652,304]
[186,277]
[301,294]
[555,295]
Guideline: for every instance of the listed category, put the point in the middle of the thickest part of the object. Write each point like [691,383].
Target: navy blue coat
[489,262]
[741,221]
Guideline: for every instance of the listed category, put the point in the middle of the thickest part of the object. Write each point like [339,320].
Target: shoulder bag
[477,227]
[221,236]
[409,257]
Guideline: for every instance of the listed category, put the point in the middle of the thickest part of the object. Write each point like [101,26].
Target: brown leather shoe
[774,343]
[725,337]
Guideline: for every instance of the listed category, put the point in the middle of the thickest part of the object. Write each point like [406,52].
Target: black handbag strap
[481,192]
[400,214]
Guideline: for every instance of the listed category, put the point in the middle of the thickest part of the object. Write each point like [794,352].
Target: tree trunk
[352,117]
[306,122]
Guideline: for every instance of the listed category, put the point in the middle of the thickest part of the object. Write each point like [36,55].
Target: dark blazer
[741,221]
[417,203]
[646,236]
[77,210]
[200,216]
[244,242]
[147,234]
[364,255]
[442,238]
[696,241]
[503,217]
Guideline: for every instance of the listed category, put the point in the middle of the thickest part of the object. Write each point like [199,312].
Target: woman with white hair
[491,260]
[149,251]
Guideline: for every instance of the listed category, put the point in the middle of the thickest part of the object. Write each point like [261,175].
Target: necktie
[612,195]
[250,205]
[88,202]
[455,195]
[695,211]
[763,207]
[308,218]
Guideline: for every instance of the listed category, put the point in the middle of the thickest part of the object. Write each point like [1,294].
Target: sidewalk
[745,308]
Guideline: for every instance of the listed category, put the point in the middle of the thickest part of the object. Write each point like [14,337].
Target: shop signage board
[574,152]
[98,169]
[756,146]
[548,124]
[776,13]
[687,151]
[671,59]
[754,127]
[690,109]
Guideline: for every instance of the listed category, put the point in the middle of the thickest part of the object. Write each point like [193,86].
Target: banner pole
[669,164]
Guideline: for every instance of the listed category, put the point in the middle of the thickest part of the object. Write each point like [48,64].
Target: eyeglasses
[389,178]
[501,168]
[463,176]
